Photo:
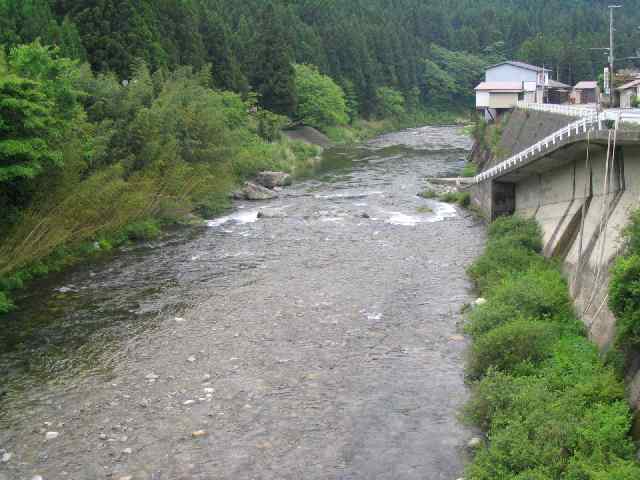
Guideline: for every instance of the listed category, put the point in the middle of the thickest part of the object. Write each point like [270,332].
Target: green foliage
[321,102]
[624,287]
[515,347]
[518,230]
[512,247]
[145,230]
[550,406]
[428,194]
[624,299]
[461,198]
[391,103]
[270,125]
[470,170]
[26,121]
[6,305]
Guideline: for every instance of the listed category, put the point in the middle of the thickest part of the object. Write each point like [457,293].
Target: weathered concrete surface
[582,205]
[521,129]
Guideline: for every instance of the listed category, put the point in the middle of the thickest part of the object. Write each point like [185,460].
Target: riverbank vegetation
[550,406]
[110,130]
[624,289]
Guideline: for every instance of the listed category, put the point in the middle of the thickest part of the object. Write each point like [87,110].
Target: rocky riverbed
[319,341]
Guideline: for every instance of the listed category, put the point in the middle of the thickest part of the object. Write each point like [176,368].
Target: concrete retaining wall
[581,219]
[520,130]
[588,247]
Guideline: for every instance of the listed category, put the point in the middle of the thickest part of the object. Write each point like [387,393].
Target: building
[556,92]
[507,83]
[494,98]
[585,92]
[628,92]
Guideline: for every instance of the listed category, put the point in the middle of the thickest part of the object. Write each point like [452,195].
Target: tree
[273,75]
[321,101]
[26,121]
[390,102]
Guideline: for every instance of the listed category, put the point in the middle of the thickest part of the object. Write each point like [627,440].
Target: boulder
[270,213]
[273,179]
[254,192]
[475,443]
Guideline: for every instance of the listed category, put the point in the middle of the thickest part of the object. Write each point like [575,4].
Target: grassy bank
[550,407]
[97,217]
[362,129]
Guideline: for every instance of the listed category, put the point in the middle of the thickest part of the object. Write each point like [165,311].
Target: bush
[513,347]
[6,305]
[470,170]
[143,231]
[624,299]
[541,292]
[491,315]
[502,258]
[461,198]
[428,194]
[321,101]
[550,405]
[525,232]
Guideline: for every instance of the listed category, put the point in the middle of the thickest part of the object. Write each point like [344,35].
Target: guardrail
[569,110]
[592,120]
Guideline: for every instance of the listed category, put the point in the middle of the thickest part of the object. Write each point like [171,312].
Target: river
[320,344]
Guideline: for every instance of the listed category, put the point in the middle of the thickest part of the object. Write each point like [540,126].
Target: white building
[508,82]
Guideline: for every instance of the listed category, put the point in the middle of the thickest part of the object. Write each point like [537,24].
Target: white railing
[593,121]
[582,125]
[570,110]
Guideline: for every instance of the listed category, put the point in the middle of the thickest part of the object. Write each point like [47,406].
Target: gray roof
[515,63]
[586,85]
[633,83]
[556,84]
[500,86]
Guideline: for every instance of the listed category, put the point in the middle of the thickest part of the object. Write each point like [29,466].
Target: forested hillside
[114,113]
[363,44]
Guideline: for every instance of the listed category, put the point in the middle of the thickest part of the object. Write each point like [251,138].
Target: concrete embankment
[519,130]
[582,201]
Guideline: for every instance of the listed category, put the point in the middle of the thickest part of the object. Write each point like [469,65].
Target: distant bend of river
[321,344]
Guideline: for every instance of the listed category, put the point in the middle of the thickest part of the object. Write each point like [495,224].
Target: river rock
[479,302]
[475,443]
[254,192]
[51,435]
[273,179]
[271,214]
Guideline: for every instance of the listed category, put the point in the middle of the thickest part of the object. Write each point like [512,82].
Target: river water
[320,344]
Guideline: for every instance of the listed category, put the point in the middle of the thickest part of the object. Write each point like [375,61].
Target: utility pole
[612,75]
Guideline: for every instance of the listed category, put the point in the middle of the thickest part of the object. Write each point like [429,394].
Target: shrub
[552,408]
[525,232]
[461,198]
[490,396]
[321,101]
[491,315]
[501,259]
[428,194]
[540,293]
[470,170]
[6,305]
[624,299]
[143,231]
[512,347]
